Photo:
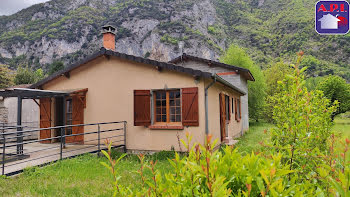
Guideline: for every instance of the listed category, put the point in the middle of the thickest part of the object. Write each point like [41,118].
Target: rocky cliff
[71,29]
[271,30]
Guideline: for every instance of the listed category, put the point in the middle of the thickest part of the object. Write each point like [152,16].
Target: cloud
[9,7]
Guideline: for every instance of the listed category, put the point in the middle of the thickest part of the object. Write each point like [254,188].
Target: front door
[222,116]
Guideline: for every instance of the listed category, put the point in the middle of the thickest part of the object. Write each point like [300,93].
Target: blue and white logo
[332,17]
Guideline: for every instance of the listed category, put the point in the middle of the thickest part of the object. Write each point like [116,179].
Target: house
[30,114]
[329,22]
[160,101]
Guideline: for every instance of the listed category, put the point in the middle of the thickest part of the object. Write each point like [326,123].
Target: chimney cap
[108,29]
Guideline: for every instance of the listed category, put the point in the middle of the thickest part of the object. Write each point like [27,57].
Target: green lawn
[81,176]
[250,140]
[85,176]
[342,126]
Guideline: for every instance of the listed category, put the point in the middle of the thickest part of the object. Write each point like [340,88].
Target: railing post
[61,144]
[98,138]
[3,153]
[19,127]
[125,136]
[64,121]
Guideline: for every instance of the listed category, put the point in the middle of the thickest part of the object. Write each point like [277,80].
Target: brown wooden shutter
[240,108]
[77,118]
[222,116]
[236,110]
[229,108]
[190,115]
[45,118]
[142,107]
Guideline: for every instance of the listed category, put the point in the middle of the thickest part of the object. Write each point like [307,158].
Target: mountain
[271,30]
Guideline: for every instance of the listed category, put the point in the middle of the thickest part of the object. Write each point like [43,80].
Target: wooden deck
[37,154]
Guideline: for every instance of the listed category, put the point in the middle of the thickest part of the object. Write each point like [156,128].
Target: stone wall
[3,115]
[30,114]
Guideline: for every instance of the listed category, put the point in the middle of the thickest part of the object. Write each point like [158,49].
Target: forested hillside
[271,30]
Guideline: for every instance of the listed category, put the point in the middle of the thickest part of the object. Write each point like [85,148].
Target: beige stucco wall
[111,83]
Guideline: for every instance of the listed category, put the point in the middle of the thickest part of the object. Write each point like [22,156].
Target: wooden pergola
[26,93]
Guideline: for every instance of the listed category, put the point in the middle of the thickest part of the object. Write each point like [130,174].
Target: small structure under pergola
[26,93]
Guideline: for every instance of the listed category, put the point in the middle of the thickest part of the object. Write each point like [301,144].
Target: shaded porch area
[62,133]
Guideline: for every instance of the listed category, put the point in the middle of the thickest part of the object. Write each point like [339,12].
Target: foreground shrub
[302,123]
[208,172]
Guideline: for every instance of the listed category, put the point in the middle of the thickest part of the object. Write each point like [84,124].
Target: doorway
[222,116]
[70,111]
[58,116]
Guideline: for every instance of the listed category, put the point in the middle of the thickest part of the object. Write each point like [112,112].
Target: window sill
[166,127]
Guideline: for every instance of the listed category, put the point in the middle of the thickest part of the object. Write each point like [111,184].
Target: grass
[342,125]
[85,176]
[250,141]
[81,176]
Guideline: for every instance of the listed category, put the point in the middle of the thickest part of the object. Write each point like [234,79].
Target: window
[238,109]
[171,109]
[167,106]
[69,116]
[233,105]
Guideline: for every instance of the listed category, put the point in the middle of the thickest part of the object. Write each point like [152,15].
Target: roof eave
[68,69]
[223,81]
[103,51]
[246,72]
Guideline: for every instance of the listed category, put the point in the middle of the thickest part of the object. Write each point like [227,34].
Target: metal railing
[65,142]
[24,126]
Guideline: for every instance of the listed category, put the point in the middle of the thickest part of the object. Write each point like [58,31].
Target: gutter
[206,105]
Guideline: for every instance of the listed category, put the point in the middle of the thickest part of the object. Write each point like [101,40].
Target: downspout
[206,105]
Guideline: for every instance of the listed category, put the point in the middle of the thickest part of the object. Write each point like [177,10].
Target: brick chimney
[108,32]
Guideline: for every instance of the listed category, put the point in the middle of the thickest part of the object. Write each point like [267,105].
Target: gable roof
[184,57]
[158,64]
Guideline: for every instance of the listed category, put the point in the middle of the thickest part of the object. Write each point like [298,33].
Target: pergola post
[19,126]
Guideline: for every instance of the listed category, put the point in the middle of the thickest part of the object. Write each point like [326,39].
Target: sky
[8,7]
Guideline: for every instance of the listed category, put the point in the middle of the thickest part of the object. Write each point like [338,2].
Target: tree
[256,89]
[303,123]
[27,75]
[6,76]
[55,67]
[312,63]
[274,74]
[312,82]
[336,88]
